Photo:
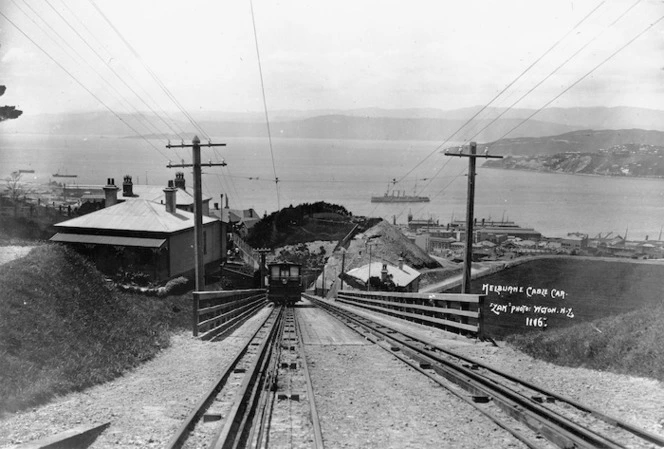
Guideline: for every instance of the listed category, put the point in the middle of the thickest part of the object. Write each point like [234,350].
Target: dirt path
[9,253]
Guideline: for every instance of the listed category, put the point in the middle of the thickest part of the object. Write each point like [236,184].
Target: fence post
[480,318]
[195,314]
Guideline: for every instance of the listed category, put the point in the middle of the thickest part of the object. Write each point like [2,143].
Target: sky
[62,56]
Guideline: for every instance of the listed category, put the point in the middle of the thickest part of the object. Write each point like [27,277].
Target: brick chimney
[169,193]
[111,192]
[179,180]
[401,263]
[383,273]
[127,186]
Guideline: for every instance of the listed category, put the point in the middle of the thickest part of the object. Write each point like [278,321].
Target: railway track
[262,399]
[537,417]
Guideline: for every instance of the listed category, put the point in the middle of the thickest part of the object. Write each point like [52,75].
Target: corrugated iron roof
[136,215]
[183,197]
[108,240]
[400,276]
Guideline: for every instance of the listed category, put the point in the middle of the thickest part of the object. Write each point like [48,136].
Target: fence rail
[218,312]
[454,312]
[248,254]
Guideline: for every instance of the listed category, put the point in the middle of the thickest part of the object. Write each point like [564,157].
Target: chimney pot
[169,194]
[179,180]
[110,193]
[127,186]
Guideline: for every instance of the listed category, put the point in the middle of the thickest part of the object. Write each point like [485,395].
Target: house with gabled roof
[143,235]
[404,277]
[184,196]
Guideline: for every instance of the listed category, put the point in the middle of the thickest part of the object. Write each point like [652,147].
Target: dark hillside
[566,291]
[62,328]
[630,343]
[300,224]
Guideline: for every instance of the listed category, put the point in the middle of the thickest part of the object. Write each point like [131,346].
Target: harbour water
[349,173]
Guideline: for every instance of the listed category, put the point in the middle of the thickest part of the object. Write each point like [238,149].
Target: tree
[8,112]
[14,188]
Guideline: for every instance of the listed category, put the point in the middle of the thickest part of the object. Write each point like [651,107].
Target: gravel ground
[9,253]
[146,406]
[366,399]
[637,400]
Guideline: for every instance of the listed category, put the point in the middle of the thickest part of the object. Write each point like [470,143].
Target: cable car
[284,283]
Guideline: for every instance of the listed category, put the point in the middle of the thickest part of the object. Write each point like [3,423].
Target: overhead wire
[145,122]
[154,76]
[612,55]
[267,119]
[545,53]
[105,62]
[198,127]
[604,61]
[71,75]
[526,70]
[554,71]
[174,123]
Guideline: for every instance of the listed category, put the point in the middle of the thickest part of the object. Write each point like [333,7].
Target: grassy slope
[628,344]
[63,329]
[594,289]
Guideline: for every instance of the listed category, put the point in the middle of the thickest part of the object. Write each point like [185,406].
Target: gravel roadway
[637,400]
[365,399]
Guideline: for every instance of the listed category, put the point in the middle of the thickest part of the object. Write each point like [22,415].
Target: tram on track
[284,285]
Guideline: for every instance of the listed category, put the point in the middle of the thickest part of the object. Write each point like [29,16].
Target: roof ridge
[157,213]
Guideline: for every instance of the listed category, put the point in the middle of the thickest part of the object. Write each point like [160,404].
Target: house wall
[181,249]
[113,259]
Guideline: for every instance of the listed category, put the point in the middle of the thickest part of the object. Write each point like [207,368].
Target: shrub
[177,286]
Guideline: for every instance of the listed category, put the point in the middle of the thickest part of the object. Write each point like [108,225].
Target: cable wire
[583,47]
[80,83]
[267,119]
[504,89]
[152,74]
[145,93]
[584,76]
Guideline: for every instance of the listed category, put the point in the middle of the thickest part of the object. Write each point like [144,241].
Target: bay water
[349,172]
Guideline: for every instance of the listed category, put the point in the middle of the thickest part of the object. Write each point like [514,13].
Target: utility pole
[343,265]
[369,278]
[198,202]
[263,252]
[468,258]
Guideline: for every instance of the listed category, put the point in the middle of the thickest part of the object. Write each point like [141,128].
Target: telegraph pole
[468,258]
[263,252]
[198,202]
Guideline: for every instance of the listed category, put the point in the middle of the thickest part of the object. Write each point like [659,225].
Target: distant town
[505,240]
[635,160]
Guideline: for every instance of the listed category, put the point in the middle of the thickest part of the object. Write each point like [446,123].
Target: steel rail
[193,417]
[636,431]
[556,427]
[295,374]
[261,424]
[235,431]
[318,433]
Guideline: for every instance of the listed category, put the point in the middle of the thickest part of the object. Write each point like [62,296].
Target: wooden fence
[454,312]
[218,312]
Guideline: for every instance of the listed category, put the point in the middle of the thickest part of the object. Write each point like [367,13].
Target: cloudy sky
[327,55]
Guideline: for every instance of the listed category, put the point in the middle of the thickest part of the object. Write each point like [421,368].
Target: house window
[204,242]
